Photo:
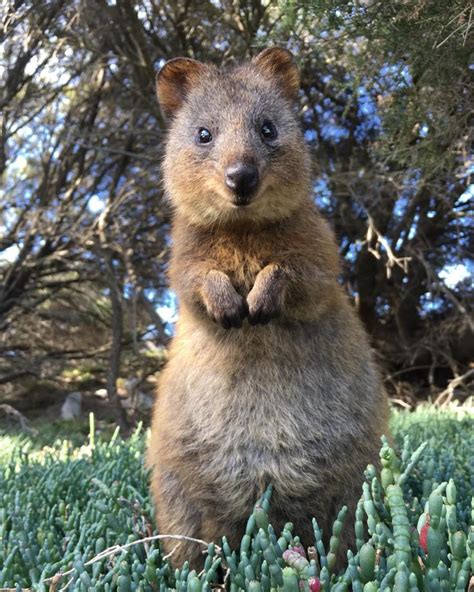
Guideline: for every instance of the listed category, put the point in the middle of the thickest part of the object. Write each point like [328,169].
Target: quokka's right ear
[175,80]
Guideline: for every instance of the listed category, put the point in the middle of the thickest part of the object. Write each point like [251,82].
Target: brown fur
[289,395]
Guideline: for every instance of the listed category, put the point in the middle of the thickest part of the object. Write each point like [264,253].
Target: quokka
[270,378]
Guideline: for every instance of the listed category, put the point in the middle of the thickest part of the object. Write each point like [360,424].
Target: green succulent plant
[81,519]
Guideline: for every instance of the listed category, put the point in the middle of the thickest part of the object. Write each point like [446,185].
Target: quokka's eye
[268,130]
[204,136]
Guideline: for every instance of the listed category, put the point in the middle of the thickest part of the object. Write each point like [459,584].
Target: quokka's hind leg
[301,512]
[213,531]
[177,515]
[347,536]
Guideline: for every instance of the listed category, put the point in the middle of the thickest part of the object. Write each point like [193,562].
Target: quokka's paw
[224,305]
[229,314]
[263,307]
[265,300]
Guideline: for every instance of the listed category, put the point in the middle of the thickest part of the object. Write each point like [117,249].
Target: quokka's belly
[262,405]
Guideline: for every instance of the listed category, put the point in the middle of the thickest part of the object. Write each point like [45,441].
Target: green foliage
[62,506]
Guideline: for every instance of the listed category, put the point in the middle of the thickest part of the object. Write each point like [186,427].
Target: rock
[15,416]
[145,401]
[71,408]
[101,393]
[140,401]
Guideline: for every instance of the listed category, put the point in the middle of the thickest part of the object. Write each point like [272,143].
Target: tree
[83,222]
[394,79]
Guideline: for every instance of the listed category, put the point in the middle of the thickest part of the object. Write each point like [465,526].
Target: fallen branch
[446,396]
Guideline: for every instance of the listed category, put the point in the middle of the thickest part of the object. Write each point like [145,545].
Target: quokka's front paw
[223,304]
[263,307]
[229,313]
[265,300]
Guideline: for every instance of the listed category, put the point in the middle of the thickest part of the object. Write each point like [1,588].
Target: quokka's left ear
[279,64]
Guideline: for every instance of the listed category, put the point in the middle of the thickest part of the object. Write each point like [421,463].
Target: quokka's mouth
[241,202]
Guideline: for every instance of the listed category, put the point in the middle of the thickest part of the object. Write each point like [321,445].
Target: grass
[71,514]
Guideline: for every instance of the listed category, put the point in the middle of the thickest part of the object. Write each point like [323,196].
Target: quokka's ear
[279,64]
[175,80]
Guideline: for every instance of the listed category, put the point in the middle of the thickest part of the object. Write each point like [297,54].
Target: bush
[71,518]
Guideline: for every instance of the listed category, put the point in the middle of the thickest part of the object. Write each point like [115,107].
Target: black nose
[242,179]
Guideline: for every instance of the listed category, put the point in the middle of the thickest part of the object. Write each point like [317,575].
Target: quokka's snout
[242,179]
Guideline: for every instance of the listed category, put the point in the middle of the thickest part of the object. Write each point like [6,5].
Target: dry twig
[446,396]
[119,548]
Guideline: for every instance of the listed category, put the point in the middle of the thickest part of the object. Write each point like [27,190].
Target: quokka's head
[235,150]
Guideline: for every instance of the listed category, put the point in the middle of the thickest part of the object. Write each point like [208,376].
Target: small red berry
[424,534]
[314,584]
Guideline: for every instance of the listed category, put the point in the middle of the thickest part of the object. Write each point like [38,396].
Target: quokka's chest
[242,257]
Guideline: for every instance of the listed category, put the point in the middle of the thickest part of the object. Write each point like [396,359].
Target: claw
[233,320]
